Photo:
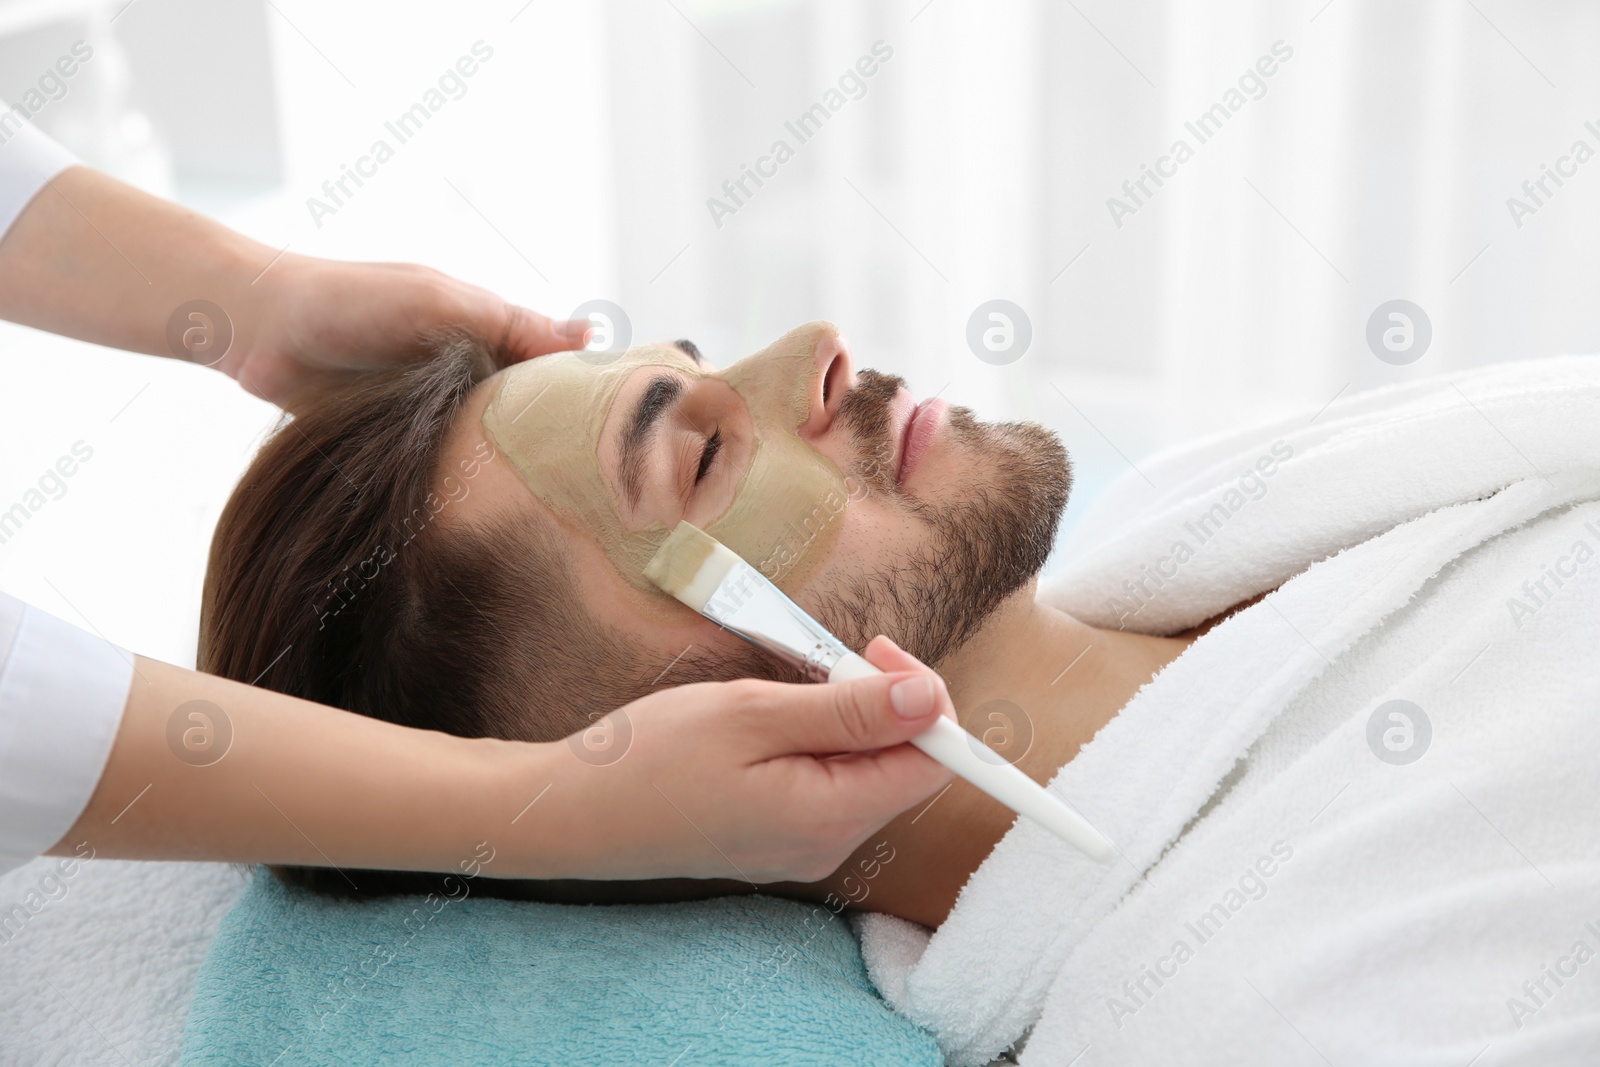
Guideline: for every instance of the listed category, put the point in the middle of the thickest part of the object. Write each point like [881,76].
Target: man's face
[877,514]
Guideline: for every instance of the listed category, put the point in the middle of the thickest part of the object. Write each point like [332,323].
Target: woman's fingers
[529,334]
[885,655]
[744,764]
[859,715]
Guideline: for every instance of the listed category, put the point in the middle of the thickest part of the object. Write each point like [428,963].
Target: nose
[836,376]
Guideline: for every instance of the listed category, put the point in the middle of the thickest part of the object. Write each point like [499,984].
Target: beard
[978,551]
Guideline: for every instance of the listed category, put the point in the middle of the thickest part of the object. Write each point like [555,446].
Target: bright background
[1377,165]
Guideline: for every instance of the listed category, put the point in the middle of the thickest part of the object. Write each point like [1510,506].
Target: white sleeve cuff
[62,692]
[28,159]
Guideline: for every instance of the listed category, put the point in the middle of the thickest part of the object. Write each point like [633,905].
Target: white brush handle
[952,746]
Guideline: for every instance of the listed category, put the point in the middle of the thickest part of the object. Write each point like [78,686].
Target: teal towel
[294,979]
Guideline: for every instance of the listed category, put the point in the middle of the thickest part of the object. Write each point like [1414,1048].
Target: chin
[983,538]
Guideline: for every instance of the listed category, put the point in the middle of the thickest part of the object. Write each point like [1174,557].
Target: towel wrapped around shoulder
[1357,819]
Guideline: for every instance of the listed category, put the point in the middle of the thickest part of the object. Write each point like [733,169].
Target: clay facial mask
[547,416]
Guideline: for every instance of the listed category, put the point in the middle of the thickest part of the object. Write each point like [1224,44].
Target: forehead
[593,374]
[548,412]
[554,394]
[546,417]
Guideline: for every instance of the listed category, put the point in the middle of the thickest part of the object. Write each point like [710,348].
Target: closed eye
[709,455]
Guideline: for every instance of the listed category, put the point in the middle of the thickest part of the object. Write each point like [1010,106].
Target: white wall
[1375,165]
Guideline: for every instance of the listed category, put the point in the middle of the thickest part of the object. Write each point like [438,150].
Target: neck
[1035,684]
[1064,679]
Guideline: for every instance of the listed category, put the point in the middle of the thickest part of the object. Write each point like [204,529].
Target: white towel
[97,965]
[1406,904]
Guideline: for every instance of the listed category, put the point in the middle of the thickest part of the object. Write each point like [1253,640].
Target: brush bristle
[690,564]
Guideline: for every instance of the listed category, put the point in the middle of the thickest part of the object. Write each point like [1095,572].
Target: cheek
[604,594]
[872,534]
[655,625]
[785,517]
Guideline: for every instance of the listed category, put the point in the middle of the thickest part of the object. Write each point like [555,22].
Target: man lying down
[1330,684]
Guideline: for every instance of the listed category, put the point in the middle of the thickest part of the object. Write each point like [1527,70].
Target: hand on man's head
[323,322]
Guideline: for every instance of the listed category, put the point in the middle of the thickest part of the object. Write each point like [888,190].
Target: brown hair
[329,579]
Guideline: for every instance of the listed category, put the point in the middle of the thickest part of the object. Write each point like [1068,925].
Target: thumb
[859,715]
[529,334]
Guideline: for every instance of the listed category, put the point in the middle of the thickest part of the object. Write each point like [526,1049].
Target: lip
[921,427]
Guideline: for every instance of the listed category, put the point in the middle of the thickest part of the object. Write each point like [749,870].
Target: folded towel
[1290,886]
[1238,513]
[295,979]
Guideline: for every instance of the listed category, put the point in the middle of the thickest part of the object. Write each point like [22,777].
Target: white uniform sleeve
[61,690]
[28,159]
[61,697]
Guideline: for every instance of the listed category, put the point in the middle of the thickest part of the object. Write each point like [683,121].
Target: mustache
[864,411]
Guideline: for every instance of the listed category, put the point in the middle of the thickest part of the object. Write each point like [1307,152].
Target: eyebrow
[659,395]
[690,349]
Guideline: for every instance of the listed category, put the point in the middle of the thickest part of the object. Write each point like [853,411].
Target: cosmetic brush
[711,578]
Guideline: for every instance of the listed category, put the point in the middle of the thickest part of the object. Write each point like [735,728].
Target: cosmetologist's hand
[733,779]
[322,321]
[94,258]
